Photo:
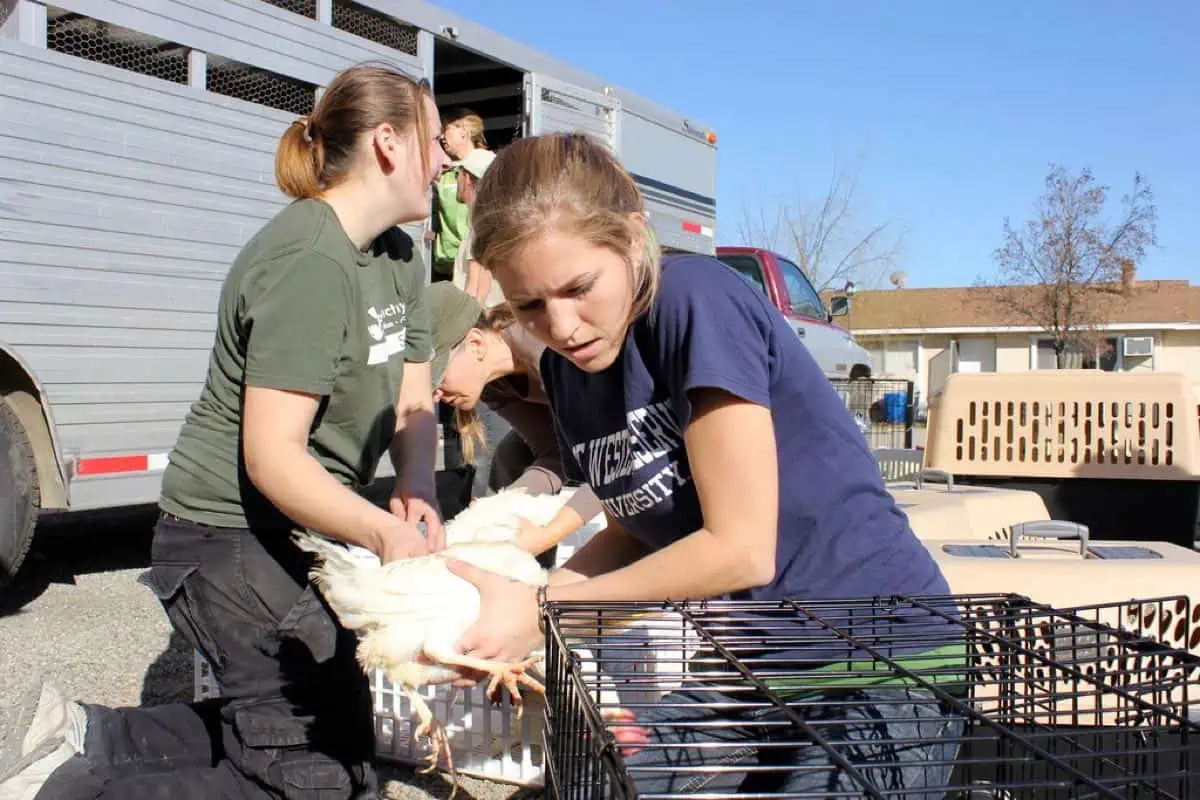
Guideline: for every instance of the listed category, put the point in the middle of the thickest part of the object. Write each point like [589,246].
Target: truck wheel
[19,495]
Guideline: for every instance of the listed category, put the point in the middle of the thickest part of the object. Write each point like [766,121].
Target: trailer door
[552,105]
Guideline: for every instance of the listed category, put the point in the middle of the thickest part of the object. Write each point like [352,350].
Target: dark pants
[899,739]
[294,716]
[452,455]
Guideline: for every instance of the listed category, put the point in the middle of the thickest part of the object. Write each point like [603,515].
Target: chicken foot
[433,730]
[511,674]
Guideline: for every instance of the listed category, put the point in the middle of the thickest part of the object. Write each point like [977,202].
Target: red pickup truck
[789,290]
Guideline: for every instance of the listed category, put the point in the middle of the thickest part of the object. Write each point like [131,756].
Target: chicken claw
[508,673]
[431,729]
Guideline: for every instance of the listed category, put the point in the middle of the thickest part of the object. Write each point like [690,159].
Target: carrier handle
[935,473]
[1048,529]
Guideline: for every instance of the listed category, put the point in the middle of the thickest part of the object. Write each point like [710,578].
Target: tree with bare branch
[825,238]
[1064,269]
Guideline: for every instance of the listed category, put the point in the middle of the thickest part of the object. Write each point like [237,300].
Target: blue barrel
[893,406]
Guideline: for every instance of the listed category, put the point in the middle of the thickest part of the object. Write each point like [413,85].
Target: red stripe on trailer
[113,464]
[692,227]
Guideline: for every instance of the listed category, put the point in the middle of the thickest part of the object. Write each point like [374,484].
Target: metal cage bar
[1081,702]
[885,409]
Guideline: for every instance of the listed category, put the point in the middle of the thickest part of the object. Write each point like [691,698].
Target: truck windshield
[805,301]
[748,268]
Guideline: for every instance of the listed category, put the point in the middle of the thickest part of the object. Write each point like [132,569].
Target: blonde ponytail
[470,432]
[467,422]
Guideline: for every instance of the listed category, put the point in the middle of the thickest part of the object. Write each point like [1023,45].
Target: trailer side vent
[235,79]
[375,26]
[305,8]
[105,43]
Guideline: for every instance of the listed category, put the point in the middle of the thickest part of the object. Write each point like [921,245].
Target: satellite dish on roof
[898,278]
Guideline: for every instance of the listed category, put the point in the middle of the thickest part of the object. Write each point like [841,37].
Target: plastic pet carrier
[1118,452]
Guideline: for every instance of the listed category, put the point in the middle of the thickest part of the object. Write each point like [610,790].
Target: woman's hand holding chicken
[400,540]
[508,627]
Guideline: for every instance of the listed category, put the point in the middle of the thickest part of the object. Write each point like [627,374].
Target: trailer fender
[24,395]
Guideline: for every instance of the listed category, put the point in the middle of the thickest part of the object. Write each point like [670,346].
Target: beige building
[925,334]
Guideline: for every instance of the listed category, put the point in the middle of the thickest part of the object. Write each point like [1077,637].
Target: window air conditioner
[1138,345]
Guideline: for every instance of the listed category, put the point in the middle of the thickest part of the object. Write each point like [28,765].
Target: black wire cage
[972,697]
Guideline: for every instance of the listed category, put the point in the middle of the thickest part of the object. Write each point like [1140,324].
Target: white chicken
[409,614]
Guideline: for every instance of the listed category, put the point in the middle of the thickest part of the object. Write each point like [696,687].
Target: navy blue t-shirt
[841,534]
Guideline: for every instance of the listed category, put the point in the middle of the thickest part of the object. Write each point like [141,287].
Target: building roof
[885,310]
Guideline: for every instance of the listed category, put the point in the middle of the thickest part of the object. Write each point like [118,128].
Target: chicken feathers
[412,608]
[409,614]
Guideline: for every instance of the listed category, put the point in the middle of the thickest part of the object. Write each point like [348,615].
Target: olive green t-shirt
[302,309]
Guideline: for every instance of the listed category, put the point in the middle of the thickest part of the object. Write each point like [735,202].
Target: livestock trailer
[137,156]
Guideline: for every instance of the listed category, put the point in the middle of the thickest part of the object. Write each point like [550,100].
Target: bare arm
[538,539]
[414,451]
[575,513]
[479,280]
[731,449]
[611,549]
[276,424]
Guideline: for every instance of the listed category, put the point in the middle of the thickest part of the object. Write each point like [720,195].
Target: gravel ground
[78,616]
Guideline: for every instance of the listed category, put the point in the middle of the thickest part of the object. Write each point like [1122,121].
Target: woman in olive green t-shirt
[320,365]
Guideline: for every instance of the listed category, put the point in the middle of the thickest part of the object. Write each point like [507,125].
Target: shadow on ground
[84,542]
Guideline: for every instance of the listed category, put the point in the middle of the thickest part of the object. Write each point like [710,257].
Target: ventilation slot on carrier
[305,8]
[105,43]
[375,26]
[254,85]
[1066,433]
[1072,424]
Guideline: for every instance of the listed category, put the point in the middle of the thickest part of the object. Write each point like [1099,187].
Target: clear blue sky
[952,111]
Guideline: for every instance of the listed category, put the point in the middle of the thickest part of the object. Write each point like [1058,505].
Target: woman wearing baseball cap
[469,275]
[479,355]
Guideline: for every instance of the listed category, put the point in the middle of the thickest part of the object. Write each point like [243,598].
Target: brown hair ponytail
[299,161]
[317,152]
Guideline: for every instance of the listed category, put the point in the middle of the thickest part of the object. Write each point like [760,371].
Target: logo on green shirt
[388,330]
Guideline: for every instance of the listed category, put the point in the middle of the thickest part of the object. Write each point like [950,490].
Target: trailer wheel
[19,496]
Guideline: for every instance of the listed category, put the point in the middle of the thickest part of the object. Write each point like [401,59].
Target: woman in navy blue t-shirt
[725,461]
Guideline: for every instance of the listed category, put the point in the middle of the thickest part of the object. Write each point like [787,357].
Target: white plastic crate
[486,740]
